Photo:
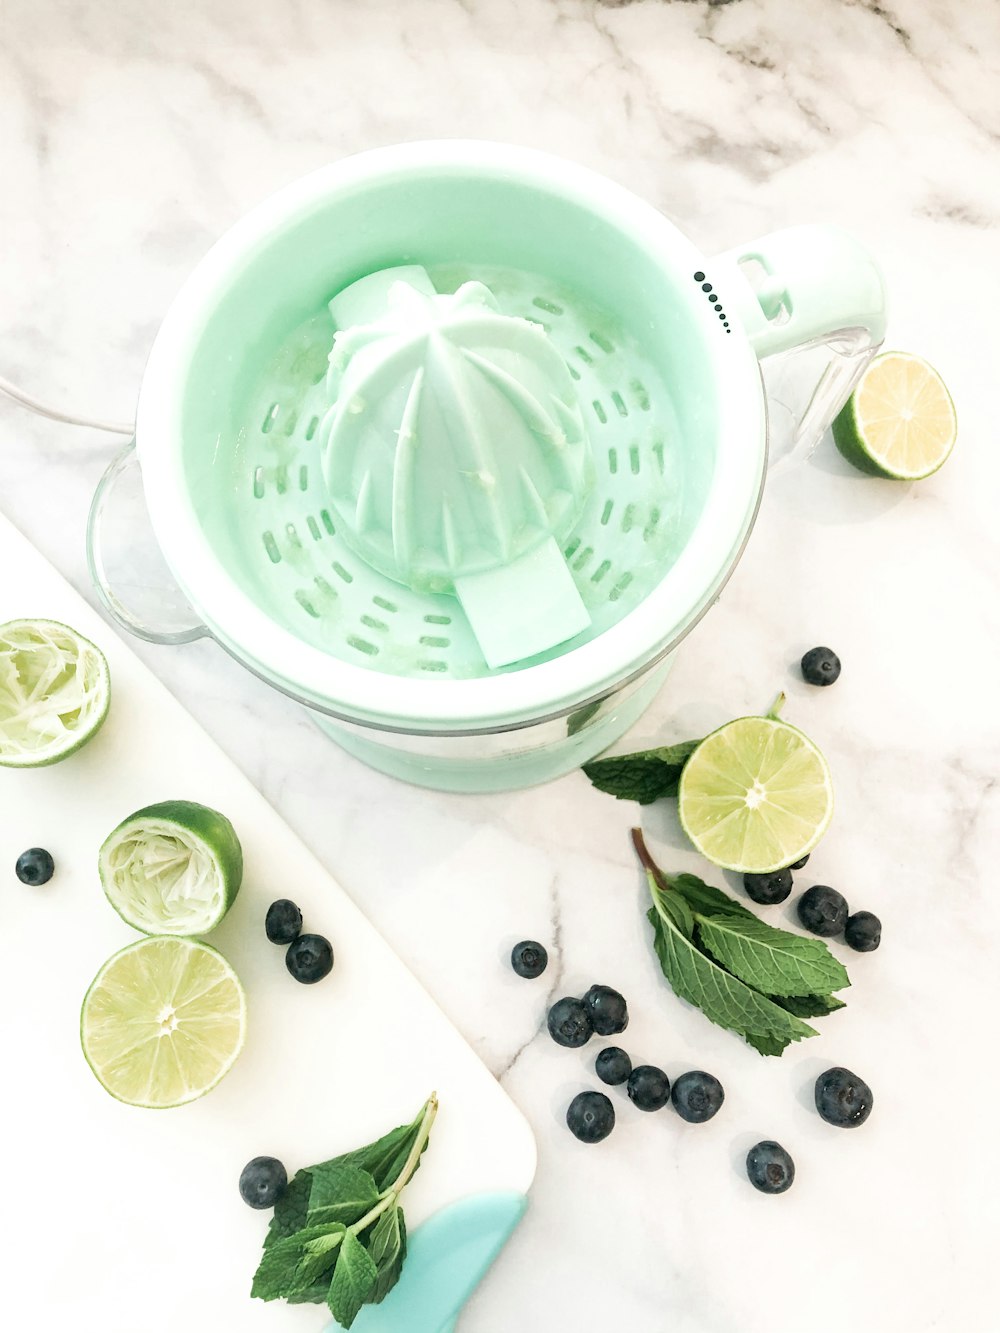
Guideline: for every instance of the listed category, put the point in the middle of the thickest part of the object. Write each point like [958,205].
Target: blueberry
[35,866]
[613,1065]
[309,958]
[648,1088]
[608,1010]
[820,666]
[590,1116]
[529,959]
[843,1099]
[863,931]
[823,910]
[263,1181]
[770,1168]
[283,922]
[569,1023]
[697,1096]
[768,889]
[797,865]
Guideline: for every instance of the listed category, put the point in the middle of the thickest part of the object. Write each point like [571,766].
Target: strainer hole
[290,423]
[438,620]
[342,573]
[619,403]
[385,605]
[434,641]
[293,537]
[271,547]
[323,586]
[258,483]
[372,623]
[600,341]
[281,479]
[306,605]
[606,512]
[612,461]
[313,526]
[600,571]
[433,666]
[363,645]
[599,411]
[649,530]
[619,587]
[633,458]
[270,418]
[658,455]
[327,521]
[628,518]
[574,373]
[303,478]
[584,356]
[311,428]
[572,548]
[549,306]
[583,557]
[641,395]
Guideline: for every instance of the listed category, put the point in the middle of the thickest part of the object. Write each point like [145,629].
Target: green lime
[55,689]
[163,1021]
[900,421]
[755,796]
[172,869]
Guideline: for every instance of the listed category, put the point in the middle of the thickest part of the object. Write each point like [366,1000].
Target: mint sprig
[338,1235]
[643,776]
[754,979]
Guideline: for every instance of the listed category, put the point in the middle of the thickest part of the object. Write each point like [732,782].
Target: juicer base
[503,761]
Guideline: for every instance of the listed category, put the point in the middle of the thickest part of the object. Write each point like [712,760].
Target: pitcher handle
[126,565]
[801,289]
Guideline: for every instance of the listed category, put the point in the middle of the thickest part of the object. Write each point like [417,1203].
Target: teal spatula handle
[446,1259]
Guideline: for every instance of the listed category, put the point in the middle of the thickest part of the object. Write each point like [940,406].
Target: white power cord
[54,413]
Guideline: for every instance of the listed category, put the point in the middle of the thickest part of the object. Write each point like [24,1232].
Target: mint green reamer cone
[454,442]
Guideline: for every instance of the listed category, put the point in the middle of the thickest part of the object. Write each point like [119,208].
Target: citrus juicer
[454,443]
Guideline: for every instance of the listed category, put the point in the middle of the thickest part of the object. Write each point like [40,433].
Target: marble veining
[133,135]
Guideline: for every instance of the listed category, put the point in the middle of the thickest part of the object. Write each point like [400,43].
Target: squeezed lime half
[172,869]
[900,421]
[163,1021]
[755,796]
[55,689]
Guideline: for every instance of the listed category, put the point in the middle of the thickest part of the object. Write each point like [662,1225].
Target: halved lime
[900,421]
[163,1021]
[755,796]
[173,868]
[55,689]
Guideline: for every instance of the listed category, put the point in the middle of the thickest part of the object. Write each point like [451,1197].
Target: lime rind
[755,796]
[900,422]
[163,1022]
[173,868]
[55,691]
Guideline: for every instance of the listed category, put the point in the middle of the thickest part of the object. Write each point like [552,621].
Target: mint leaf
[705,900]
[321,1253]
[290,1210]
[767,1045]
[809,1006]
[314,1295]
[644,776]
[385,1158]
[772,961]
[387,1247]
[278,1273]
[353,1282]
[722,998]
[676,908]
[578,720]
[341,1192]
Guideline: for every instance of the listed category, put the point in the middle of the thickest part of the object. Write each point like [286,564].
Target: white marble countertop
[134,134]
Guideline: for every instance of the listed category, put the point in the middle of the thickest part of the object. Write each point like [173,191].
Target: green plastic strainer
[454,442]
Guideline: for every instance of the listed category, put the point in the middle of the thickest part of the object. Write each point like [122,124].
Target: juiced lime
[55,689]
[755,796]
[163,1021]
[900,421]
[173,868]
